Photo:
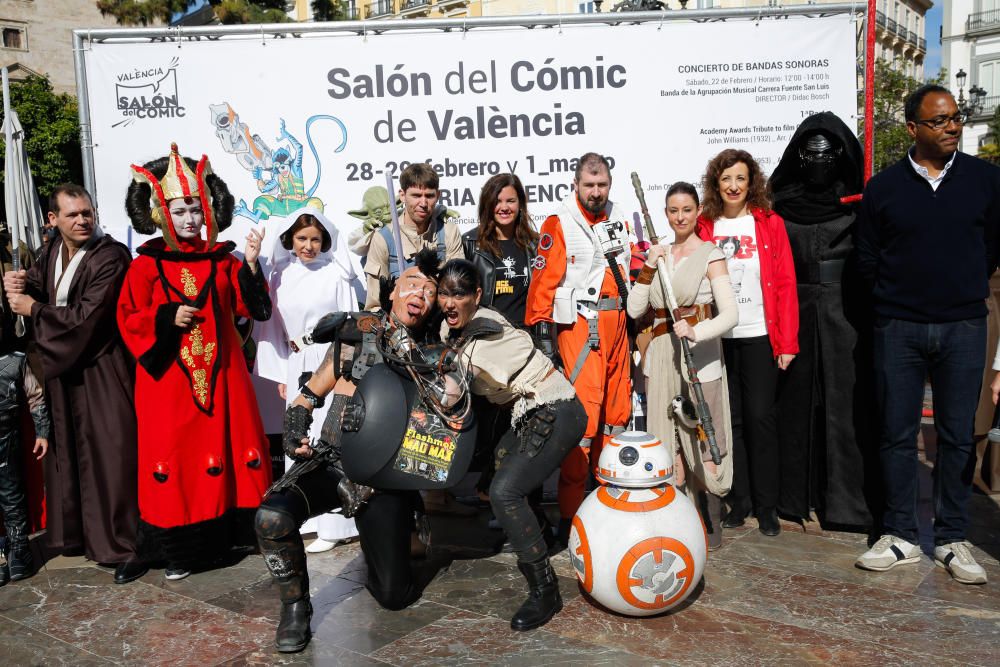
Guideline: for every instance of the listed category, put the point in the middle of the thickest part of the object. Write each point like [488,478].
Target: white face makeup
[187,217]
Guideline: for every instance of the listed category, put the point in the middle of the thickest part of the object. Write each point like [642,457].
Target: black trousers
[493,422]
[753,390]
[386,522]
[13,502]
[524,467]
[384,526]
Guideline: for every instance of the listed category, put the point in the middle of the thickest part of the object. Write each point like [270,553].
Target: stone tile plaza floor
[790,600]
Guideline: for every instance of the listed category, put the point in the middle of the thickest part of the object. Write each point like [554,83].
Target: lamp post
[974,104]
[960,78]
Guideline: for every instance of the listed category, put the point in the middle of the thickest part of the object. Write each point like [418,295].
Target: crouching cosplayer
[318,484]
[548,421]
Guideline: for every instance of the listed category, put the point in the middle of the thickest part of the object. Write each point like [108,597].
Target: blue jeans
[952,354]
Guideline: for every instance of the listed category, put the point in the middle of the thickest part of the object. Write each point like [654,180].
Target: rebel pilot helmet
[635,460]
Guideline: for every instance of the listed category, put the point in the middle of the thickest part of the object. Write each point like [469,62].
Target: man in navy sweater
[926,242]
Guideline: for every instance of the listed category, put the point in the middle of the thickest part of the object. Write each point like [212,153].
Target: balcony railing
[383,8]
[892,26]
[987,106]
[414,6]
[922,44]
[911,37]
[989,20]
[880,18]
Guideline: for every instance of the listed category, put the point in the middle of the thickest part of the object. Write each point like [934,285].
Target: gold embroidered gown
[204,461]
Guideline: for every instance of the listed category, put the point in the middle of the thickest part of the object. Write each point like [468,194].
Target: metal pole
[869,89]
[397,237]
[393,25]
[83,38]
[8,136]
[83,102]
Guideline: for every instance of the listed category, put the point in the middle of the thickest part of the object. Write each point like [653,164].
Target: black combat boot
[293,633]
[543,600]
[285,557]
[19,560]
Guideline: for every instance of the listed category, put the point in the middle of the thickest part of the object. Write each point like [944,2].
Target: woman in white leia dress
[310,275]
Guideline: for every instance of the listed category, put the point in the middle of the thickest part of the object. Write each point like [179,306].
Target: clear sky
[932,63]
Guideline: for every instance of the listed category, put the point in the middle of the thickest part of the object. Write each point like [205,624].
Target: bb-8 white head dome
[634,460]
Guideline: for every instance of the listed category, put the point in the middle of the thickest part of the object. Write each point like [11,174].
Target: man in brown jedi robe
[91,471]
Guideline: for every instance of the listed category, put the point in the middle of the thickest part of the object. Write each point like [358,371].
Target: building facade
[970,41]
[900,27]
[900,24]
[387,9]
[37,37]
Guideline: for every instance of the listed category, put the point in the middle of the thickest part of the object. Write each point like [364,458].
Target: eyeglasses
[941,122]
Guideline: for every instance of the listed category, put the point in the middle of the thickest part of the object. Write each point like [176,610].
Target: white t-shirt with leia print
[737,239]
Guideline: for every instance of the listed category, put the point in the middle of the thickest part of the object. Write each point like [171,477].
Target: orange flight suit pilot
[571,281]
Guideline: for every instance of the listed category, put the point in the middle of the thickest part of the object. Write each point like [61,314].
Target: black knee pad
[275,519]
[393,600]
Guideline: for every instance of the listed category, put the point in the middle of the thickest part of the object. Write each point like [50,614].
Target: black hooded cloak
[827,421]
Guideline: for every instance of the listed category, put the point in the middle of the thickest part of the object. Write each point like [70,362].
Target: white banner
[656,99]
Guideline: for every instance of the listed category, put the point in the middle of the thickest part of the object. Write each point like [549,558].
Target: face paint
[414,297]
[424,292]
[421,292]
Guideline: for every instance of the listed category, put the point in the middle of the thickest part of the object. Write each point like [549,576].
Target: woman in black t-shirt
[502,246]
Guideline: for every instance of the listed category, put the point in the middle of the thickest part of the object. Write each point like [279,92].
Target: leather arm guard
[352,496]
[296,427]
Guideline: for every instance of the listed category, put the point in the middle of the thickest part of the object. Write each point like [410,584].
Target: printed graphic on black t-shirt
[511,291]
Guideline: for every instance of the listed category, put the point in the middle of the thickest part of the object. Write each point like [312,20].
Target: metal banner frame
[82,40]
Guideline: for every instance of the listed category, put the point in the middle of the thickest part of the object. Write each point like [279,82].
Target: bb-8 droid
[637,545]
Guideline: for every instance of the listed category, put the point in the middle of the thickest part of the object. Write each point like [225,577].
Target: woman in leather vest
[502,248]
[543,419]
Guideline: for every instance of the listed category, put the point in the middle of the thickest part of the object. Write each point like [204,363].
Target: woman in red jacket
[738,218]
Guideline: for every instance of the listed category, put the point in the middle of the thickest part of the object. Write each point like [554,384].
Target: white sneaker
[319,545]
[887,553]
[957,559]
[175,573]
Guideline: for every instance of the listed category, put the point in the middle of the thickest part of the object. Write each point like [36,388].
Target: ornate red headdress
[178,183]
